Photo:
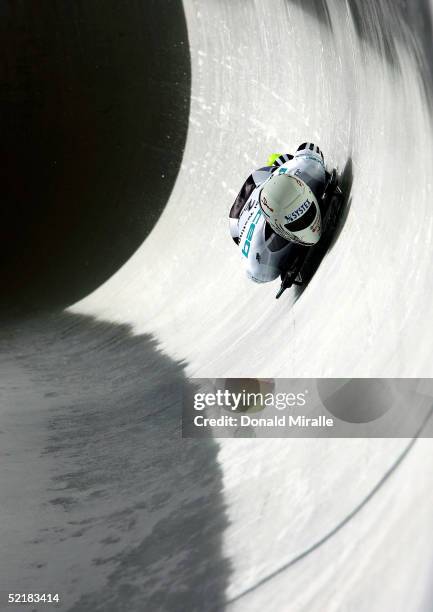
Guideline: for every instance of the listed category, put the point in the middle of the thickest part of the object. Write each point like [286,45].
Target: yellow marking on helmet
[272,157]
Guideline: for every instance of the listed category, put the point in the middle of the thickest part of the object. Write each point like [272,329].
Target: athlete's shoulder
[308,148]
[255,179]
[278,159]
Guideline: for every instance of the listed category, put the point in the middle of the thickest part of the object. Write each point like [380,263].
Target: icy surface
[303,532]
[264,81]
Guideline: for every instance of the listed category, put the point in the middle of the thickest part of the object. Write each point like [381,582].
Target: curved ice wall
[306,524]
[264,80]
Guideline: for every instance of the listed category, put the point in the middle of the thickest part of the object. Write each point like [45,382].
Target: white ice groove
[265,77]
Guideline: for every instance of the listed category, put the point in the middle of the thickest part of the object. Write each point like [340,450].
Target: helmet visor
[303,221]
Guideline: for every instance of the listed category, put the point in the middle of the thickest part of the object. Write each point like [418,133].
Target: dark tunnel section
[94,113]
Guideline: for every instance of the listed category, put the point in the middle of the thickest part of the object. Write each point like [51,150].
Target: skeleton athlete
[277,214]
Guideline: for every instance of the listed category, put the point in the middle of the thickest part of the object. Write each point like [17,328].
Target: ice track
[278,525]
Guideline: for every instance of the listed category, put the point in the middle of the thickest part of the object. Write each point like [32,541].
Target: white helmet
[291,209]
